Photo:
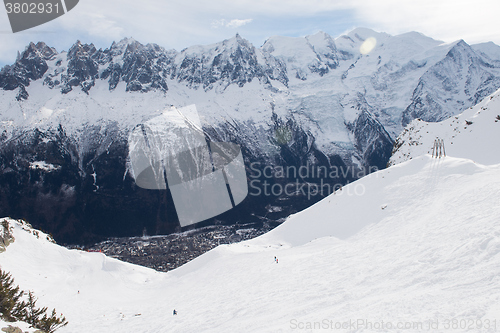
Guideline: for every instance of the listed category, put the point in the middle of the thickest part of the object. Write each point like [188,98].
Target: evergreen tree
[13,308]
[50,324]
[31,313]
[10,297]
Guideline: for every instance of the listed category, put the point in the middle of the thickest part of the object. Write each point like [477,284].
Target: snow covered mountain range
[422,255]
[313,101]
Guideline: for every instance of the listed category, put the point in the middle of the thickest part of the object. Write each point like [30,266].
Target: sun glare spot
[368,45]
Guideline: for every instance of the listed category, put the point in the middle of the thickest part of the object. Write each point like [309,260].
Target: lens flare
[368,45]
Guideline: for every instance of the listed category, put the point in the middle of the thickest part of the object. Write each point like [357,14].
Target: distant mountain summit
[313,101]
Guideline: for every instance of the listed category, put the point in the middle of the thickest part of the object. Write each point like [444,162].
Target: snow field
[421,244]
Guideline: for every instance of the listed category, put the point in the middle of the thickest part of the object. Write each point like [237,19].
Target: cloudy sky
[181,23]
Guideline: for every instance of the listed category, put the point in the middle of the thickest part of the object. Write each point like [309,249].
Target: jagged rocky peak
[140,66]
[30,65]
[123,43]
[233,60]
[304,55]
[237,50]
[43,50]
[134,47]
[462,54]
[143,67]
[79,50]
[237,43]
[128,46]
[117,49]
[115,53]
[82,68]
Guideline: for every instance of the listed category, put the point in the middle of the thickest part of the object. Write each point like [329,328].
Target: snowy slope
[473,134]
[425,247]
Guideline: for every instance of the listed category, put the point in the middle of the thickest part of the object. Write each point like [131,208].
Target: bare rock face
[6,237]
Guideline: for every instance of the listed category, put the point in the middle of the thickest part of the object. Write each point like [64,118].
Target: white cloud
[98,25]
[447,20]
[236,23]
